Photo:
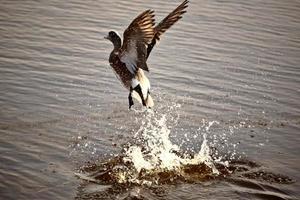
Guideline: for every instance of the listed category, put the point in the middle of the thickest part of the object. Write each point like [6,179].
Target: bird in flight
[129,60]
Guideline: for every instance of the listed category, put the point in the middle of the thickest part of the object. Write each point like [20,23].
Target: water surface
[233,62]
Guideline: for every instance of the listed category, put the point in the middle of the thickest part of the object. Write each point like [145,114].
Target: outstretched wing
[166,23]
[136,39]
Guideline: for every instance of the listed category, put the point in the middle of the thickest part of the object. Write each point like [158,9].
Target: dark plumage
[129,59]
[166,23]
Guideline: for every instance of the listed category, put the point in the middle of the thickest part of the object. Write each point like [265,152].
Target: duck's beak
[107,37]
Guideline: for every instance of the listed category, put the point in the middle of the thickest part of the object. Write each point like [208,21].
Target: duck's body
[120,69]
[129,59]
[130,80]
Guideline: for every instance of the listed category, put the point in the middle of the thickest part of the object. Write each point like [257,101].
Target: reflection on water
[232,62]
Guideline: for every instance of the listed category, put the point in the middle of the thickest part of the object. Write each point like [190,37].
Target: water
[235,63]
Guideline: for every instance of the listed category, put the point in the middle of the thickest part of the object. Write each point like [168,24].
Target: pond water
[225,80]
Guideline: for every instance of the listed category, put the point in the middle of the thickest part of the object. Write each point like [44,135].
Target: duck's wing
[135,41]
[166,23]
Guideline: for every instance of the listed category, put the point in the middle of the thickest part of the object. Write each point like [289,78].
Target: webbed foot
[130,98]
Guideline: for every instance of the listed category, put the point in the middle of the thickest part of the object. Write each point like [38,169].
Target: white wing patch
[134,83]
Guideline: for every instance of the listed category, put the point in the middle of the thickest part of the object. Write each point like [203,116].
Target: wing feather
[171,19]
[166,23]
[136,39]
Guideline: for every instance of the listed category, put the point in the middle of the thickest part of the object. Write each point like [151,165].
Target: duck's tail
[145,86]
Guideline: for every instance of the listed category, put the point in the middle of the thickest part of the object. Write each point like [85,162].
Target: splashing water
[159,152]
[152,158]
[156,153]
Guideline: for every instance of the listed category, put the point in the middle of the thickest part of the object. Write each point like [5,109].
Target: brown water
[228,61]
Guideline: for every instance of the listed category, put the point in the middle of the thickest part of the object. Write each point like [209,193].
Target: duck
[129,59]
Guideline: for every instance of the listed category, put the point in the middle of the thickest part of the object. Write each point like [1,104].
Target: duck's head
[114,38]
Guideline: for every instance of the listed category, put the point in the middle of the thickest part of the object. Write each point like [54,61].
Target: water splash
[151,157]
[154,152]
